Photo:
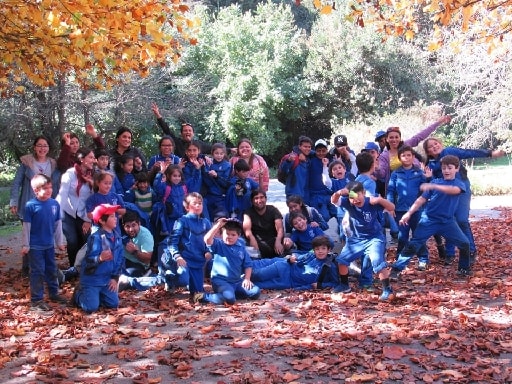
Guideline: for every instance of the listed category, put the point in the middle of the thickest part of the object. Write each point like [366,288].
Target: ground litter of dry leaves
[440,329]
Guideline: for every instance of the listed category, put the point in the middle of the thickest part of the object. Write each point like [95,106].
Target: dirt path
[440,329]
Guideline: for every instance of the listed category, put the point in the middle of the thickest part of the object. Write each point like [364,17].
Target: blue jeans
[176,276]
[426,228]
[322,202]
[462,217]
[75,238]
[373,249]
[403,234]
[89,298]
[229,292]
[42,268]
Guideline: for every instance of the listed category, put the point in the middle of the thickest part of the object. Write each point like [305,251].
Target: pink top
[259,170]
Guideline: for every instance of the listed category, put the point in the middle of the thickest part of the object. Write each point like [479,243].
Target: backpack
[282,175]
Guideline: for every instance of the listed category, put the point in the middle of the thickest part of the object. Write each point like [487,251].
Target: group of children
[183,197]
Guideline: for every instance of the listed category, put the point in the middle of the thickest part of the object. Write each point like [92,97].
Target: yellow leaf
[326,10]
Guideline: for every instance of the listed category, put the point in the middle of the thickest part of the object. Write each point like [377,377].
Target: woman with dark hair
[32,164]
[75,187]
[388,160]
[258,167]
[70,144]
[296,204]
[123,146]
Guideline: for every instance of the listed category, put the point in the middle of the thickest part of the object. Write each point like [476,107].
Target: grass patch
[10,229]
[491,181]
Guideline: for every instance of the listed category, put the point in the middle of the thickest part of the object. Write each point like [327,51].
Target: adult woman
[31,165]
[123,146]
[70,144]
[166,155]
[388,160]
[435,151]
[75,187]
[259,169]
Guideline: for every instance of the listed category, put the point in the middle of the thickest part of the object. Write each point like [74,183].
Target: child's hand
[106,255]
[314,224]
[131,247]
[66,137]
[208,256]
[212,173]
[405,219]
[62,247]
[24,250]
[426,187]
[292,259]
[278,247]
[247,284]
[113,285]
[199,163]
[180,261]
[86,226]
[208,160]
[287,242]
[325,161]
[428,172]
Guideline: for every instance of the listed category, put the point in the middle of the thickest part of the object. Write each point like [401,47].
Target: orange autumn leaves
[99,43]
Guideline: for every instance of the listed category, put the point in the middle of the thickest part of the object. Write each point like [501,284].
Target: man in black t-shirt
[263,226]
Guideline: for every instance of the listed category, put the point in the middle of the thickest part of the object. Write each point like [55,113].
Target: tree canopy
[99,42]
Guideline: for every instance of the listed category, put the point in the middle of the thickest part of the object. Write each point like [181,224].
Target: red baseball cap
[103,209]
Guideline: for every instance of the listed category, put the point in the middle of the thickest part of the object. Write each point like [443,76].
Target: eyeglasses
[166,145]
[42,146]
[393,129]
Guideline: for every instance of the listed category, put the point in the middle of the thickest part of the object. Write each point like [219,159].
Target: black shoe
[472,258]
[40,307]
[464,272]
[448,260]
[70,274]
[58,299]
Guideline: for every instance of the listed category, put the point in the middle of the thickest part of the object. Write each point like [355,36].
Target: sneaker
[198,297]
[58,299]
[464,272]
[387,294]
[40,306]
[123,283]
[422,266]
[70,274]
[394,274]
[367,288]
[448,260]
[342,288]
[73,302]
[61,278]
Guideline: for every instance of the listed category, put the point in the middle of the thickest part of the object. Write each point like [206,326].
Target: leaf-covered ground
[440,329]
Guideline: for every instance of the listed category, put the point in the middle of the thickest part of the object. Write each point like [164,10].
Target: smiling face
[294,207]
[88,161]
[110,223]
[132,228]
[74,144]
[449,171]
[305,148]
[105,184]
[41,149]
[321,252]
[166,148]
[259,201]
[300,224]
[434,148]
[124,140]
[192,152]
[244,150]
[45,192]
[127,166]
[219,154]
[175,177]
[393,138]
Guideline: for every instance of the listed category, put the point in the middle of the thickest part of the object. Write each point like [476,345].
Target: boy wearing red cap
[102,265]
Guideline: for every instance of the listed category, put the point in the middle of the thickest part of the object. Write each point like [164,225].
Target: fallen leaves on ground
[441,328]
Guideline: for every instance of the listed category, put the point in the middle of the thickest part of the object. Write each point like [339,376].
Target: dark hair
[397,130]
[98,152]
[244,140]
[336,162]
[241,165]
[364,162]
[81,153]
[294,215]
[42,137]
[72,135]
[305,139]
[166,137]
[122,129]
[183,125]
[194,143]
[318,241]
[170,170]
[450,160]
[130,216]
[405,148]
[233,225]
[142,177]
[355,186]
[216,146]
[258,191]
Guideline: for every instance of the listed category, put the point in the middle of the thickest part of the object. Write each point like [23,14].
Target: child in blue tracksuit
[367,238]
[238,195]
[232,265]
[403,190]
[192,165]
[335,177]
[186,252]
[296,166]
[170,189]
[435,152]
[302,234]
[216,181]
[319,193]
[438,217]
[102,264]
[125,174]
[42,227]
[313,217]
[103,194]
[313,270]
